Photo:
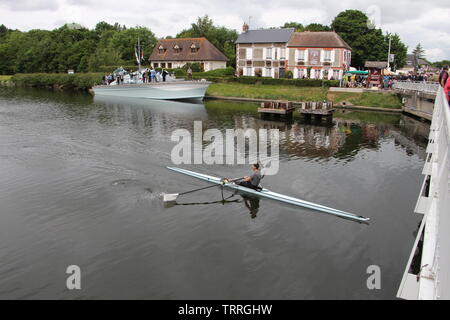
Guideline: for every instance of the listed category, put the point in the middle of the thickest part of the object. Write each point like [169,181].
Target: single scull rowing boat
[272,195]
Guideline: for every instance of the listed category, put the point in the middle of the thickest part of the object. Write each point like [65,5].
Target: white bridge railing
[425,87]
[433,280]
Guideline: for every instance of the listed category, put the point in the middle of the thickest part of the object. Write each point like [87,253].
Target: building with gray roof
[262,52]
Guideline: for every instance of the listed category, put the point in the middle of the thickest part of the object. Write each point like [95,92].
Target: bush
[195,67]
[225,72]
[289,75]
[293,82]
[179,73]
[269,81]
[81,81]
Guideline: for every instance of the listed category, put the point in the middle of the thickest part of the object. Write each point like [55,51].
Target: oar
[172,197]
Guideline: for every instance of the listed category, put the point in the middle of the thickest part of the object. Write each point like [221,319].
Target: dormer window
[177,49]
[161,49]
[194,48]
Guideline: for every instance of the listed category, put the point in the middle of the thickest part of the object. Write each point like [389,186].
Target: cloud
[414,20]
[30,5]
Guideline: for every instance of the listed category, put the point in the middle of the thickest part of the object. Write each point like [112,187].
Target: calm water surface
[82,180]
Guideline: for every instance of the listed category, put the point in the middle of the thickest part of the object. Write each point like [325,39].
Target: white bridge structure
[419,86]
[427,274]
[418,97]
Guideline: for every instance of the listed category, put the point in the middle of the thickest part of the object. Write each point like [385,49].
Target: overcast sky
[427,22]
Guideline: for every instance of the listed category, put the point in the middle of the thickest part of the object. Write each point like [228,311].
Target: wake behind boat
[263,193]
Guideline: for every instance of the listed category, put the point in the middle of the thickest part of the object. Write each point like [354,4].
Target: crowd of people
[109,78]
[355,81]
[414,77]
[147,76]
[360,81]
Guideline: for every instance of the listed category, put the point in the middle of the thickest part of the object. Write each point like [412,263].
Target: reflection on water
[252,204]
[187,109]
[350,132]
[82,179]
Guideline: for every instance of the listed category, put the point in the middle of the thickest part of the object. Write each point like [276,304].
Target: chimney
[245,27]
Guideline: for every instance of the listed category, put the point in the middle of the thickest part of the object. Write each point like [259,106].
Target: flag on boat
[136,54]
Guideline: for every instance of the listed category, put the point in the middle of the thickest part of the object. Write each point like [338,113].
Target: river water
[81,184]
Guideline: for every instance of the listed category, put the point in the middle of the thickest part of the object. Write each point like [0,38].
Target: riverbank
[275,89]
[260,93]
[78,81]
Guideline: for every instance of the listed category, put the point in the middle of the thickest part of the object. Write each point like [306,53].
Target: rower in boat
[260,192]
[251,181]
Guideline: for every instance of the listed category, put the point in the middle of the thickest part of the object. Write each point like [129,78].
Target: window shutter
[249,53]
[306,55]
[264,53]
[332,56]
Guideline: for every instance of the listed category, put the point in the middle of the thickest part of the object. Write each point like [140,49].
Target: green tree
[3,30]
[367,43]
[103,57]
[103,27]
[419,52]
[125,41]
[440,64]
[398,48]
[317,27]
[297,26]
[70,47]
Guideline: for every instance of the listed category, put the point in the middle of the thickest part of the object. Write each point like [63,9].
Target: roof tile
[206,50]
[317,39]
[266,36]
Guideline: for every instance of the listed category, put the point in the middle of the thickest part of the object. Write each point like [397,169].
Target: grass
[294,93]
[367,99]
[273,92]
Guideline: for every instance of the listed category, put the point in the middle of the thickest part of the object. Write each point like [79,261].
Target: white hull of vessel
[160,91]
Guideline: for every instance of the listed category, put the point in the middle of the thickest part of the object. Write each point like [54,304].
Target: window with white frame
[301,55]
[301,73]
[268,72]
[327,57]
[282,53]
[269,53]
[317,74]
[336,74]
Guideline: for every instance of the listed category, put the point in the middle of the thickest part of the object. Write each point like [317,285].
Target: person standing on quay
[153,73]
[164,74]
[144,77]
[443,76]
[447,89]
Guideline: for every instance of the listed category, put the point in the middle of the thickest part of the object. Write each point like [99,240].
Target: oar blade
[170,197]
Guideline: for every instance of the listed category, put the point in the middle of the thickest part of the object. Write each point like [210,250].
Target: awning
[357,72]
